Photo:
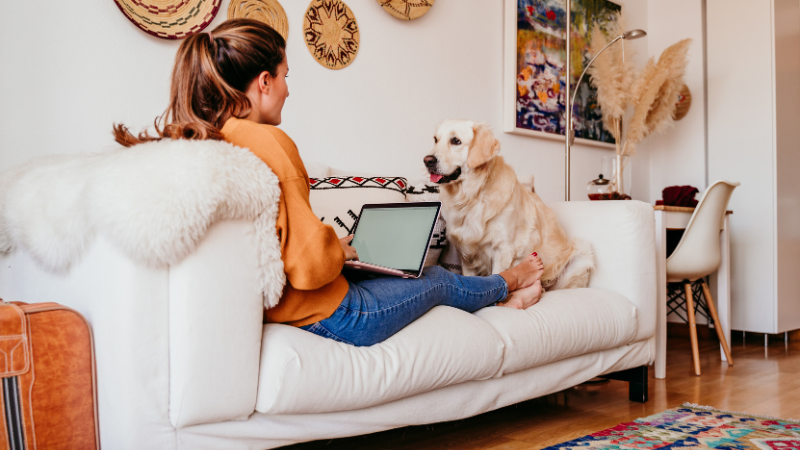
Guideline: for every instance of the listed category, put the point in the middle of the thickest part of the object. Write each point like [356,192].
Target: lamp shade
[634,34]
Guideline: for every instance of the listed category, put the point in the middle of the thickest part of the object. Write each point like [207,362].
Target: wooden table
[677,218]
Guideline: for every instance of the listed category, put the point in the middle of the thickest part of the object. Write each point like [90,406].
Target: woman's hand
[350,252]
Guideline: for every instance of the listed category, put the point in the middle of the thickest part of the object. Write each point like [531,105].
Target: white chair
[698,255]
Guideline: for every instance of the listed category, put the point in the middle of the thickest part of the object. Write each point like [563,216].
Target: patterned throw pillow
[337,201]
[450,259]
[424,191]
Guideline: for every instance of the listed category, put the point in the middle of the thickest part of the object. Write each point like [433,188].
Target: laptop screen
[395,236]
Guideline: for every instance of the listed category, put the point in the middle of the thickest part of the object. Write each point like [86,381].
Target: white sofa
[184,362]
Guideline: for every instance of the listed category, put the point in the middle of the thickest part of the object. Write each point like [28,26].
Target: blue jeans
[375,309]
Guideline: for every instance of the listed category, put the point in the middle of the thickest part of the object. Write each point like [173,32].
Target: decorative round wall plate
[170,19]
[406,9]
[331,33]
[268,11]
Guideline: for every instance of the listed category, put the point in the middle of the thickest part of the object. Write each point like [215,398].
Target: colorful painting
[540,65]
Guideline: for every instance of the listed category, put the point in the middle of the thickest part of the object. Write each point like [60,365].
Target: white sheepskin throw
[154,201]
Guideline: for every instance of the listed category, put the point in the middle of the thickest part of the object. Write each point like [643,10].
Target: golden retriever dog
[491,218]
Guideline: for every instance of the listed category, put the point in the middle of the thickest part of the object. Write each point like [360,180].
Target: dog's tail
[579,268]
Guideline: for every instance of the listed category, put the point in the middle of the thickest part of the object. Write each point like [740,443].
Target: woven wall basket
[406,9]
[268,11]
[331,33]
[683,104]
[170,19]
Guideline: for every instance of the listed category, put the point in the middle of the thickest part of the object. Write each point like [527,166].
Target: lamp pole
[569,134]
[568,130]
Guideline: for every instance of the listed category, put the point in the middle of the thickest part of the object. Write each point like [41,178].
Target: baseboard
[706,333]
[755,337]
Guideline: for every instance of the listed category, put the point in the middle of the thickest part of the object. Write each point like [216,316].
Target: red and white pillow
[424,191]
[337,200]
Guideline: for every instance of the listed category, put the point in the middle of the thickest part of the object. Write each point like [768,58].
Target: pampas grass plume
[654,94]
[611,75]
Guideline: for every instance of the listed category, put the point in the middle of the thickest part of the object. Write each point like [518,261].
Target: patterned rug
[694,427]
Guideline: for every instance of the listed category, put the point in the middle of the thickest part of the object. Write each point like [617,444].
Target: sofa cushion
[305,373]
[623,238]
[563,324]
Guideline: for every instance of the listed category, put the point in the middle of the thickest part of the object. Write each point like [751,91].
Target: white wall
[678,156]
[83,66]
[61,89]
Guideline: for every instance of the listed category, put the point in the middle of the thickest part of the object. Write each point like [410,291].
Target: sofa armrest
[174,346]
[215,327]
[622,234]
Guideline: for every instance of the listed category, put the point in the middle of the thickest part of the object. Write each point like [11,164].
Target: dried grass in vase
[612,76]
[655,94]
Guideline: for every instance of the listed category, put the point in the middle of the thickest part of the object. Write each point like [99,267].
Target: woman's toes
[525,273]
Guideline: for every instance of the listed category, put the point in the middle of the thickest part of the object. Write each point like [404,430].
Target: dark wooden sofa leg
[637,382]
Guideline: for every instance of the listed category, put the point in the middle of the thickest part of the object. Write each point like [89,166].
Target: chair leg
[687,286]
[717,324]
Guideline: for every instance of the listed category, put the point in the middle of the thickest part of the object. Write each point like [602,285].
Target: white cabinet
[753,76]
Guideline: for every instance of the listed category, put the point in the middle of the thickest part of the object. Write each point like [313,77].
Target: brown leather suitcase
[48,394]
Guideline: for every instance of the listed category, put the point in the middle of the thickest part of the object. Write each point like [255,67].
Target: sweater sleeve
[312,254]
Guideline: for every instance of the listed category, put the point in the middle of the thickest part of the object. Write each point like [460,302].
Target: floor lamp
[569,137]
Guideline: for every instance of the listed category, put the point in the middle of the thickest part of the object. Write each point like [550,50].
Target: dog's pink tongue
[435,177]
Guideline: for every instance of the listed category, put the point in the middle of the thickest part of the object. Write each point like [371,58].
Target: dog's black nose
[430,161]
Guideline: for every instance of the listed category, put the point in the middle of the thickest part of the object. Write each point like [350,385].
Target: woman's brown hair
[212,72]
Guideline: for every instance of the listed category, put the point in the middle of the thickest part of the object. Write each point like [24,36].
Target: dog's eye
[455,141]
[435,140]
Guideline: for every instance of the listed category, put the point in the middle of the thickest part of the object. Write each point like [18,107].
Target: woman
[230,84]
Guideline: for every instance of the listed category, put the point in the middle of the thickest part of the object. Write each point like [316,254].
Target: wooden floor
[764,381]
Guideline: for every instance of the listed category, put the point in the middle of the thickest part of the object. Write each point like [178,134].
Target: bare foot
[524,298]
[524,274]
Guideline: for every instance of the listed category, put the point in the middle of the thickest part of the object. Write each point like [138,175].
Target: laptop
[393,238]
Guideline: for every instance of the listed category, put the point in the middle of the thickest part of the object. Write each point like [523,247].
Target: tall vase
[614,167]
[620,162]
[619,167]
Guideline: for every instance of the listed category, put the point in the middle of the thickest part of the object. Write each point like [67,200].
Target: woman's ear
[264,82]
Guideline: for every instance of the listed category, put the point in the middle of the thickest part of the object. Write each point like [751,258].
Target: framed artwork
[534,62]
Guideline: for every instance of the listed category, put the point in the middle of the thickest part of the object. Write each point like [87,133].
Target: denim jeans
[375,309]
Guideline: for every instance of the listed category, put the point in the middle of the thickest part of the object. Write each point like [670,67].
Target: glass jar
[599,189]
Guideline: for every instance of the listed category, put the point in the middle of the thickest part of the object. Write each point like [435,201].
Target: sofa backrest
[622,234]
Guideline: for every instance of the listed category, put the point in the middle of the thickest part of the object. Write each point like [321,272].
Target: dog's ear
[484,146]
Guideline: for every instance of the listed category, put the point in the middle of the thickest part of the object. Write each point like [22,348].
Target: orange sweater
[311,253]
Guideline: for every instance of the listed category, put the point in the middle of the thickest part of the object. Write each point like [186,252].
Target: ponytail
[211,73]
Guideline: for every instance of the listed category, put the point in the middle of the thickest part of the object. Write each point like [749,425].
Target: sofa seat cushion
[305,373]
[565,323]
